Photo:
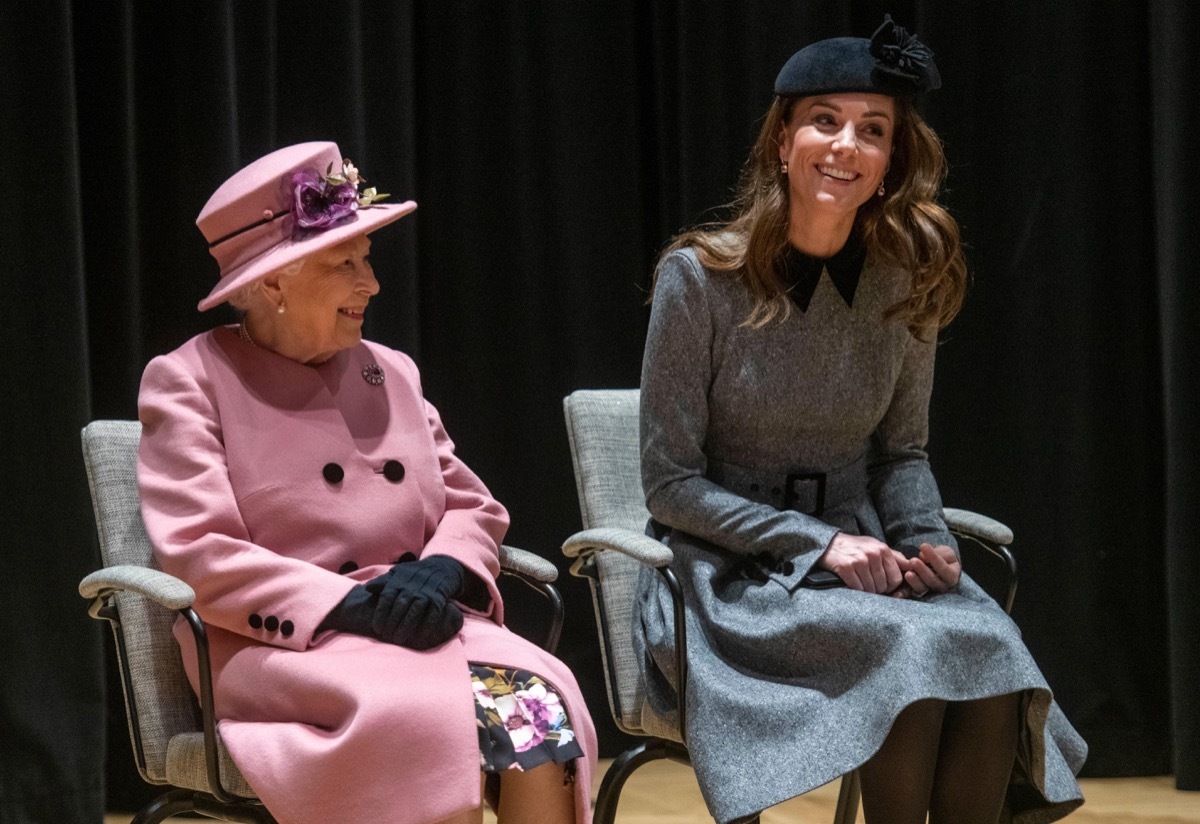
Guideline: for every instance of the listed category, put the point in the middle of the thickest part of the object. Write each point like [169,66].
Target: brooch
[372,374]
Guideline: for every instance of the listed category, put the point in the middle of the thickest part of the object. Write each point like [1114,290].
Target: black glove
[354,612]
[415,607]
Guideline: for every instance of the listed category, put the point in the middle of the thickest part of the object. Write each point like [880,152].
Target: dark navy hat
[892,62]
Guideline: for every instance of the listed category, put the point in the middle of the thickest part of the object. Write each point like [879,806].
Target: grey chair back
[602,427]
[158,696]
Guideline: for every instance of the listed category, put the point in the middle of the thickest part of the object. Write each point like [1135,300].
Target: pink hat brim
[289,250]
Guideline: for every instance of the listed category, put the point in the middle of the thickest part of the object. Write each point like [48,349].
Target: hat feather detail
[899,51]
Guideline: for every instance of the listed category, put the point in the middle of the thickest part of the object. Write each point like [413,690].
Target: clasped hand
[411,605]
[869,565]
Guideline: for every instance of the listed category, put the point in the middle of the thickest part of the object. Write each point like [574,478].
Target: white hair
[243,298]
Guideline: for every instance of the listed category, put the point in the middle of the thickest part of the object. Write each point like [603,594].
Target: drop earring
[783,167]
[881,191]
[281,308]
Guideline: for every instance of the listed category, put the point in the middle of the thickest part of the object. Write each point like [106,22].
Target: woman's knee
[544,795]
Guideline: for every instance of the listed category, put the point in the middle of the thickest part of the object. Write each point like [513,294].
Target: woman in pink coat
[343,558]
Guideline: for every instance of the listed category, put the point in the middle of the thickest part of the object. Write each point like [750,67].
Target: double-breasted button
[347,568]
[785,568]
[286,629]
[333,473]
[393,470]
[271,624]
[256,621]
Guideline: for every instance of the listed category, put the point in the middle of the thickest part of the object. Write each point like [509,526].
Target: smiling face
[324,302]
[837,148]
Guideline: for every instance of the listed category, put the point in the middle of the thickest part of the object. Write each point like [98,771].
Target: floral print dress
[522,723]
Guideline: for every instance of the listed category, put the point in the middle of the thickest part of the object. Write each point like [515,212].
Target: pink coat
[263,486]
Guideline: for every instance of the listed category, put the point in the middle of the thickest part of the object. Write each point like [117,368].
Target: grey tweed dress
[791,687]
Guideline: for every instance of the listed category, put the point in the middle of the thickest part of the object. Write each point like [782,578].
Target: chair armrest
[978,526]
[626,541]
[538,573]
[526,563]
[585,546]
[154,584]
[174,594]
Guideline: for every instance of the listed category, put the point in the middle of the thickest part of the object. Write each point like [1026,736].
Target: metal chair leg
[614,780]
[165,806]
[848,796]
[239,812]
[189,801]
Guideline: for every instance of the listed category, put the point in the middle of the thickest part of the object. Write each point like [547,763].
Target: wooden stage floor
[666,793]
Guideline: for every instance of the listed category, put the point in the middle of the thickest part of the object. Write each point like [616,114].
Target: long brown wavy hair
[906,228]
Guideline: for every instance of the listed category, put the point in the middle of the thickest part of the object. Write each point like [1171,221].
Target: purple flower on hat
[319,203]
[898,51]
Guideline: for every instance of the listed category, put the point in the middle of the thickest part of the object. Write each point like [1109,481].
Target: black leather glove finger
[421,608]
[353,613]
[438,629]
[408,612]
[377,583]
[394,596]
[436,575]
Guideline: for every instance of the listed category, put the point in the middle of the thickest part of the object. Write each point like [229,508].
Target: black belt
[809,492]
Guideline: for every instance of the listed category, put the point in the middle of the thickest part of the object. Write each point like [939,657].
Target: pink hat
[283,207]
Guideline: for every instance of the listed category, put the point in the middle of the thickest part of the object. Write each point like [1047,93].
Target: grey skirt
[790,687]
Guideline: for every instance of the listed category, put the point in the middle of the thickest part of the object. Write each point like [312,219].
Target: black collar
[801,272]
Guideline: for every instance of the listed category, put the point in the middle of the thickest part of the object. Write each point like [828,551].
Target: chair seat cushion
[659,726]
[185,766]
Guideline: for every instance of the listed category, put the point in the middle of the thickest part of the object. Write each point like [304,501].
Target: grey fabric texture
[185,765]
[166,708]
[165,589]
[980,526]
[636,545]
[602,431]
[535,566]
[791,687]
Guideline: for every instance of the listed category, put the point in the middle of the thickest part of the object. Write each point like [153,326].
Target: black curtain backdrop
[554,147]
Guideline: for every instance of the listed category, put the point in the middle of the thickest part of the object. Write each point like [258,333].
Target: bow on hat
[898,52]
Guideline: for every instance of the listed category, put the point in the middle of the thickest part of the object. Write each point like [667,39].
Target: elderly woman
[785,395]
[343,558]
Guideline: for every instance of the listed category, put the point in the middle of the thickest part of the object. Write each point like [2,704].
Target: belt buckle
[789,493]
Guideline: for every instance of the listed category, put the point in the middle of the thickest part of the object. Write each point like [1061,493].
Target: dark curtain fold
[554,148]
[1176,76]
[51,696]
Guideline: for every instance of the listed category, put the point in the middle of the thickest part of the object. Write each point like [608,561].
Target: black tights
[950,760]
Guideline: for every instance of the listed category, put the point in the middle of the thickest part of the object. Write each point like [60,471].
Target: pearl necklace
[244,334]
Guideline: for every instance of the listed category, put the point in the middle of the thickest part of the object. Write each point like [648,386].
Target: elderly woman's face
[837,148]
[326,299]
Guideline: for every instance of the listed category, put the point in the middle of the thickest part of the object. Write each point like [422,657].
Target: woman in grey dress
[785,395]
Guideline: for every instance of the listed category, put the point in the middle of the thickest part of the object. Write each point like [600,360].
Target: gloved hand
[414,607]
[354,612]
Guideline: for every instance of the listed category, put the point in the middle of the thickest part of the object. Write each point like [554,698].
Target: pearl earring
[783,167]
[281,309]
[881,191]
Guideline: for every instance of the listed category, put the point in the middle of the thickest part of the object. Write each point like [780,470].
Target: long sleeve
[677,374]
[193,519]
[902,485]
